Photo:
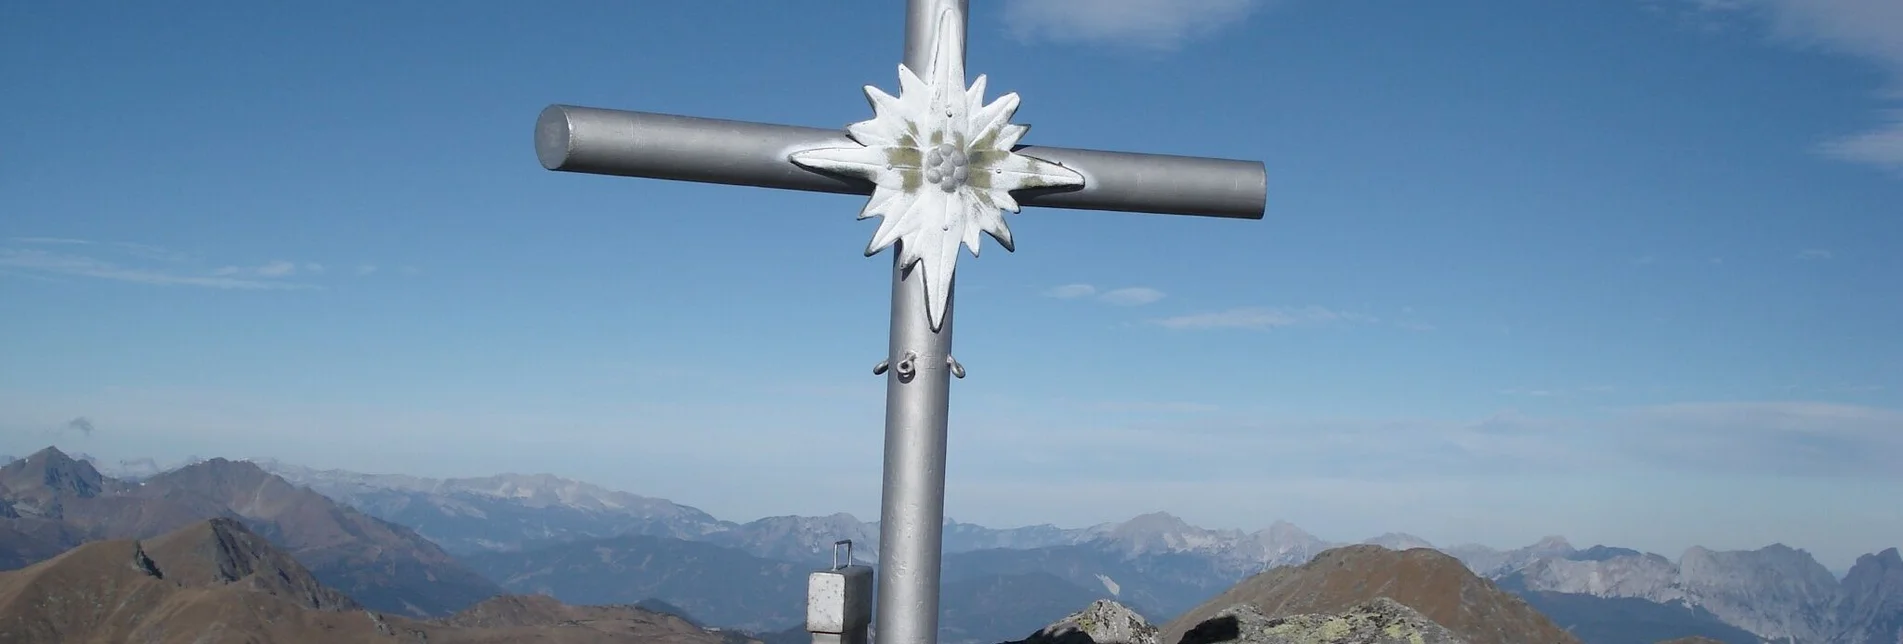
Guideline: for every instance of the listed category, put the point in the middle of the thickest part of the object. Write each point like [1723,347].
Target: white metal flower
[942,166]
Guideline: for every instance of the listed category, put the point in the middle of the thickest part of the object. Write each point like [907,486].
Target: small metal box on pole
[839,600]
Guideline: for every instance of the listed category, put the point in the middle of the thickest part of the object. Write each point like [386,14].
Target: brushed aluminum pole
[917,402]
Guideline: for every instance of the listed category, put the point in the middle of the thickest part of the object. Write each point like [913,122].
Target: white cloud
[1072,291]
[366,269]
[1132,296]
[1882,147]
[1127,296]
[1147,24]
[51,241]
[135,263]
[1809,254]
[1262,318]
[62,264]
[1867,29]
[279,268]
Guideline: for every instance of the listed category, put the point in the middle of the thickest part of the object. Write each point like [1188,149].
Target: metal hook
[836,544]
[879,369]
[906,367]
[958,370]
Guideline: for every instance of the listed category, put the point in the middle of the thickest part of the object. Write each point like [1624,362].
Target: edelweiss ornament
[942,167]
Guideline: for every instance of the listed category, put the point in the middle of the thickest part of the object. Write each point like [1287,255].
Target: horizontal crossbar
[685,148]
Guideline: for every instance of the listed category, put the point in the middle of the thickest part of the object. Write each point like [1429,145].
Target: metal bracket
[836,544]
[907,367]
[957,370]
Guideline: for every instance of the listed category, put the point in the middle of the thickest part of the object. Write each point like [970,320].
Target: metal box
[840,600]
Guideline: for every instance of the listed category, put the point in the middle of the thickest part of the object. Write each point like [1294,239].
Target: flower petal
[869,163]
[988,123]
[1018,172]
[918,212]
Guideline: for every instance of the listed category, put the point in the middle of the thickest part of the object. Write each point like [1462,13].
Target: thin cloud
[1146,407]
[48,263]
[1553,392]
[1071,291]
[366,269]
[1727,438]
[1866,29]
[278,268]
[1262,318]
[142,251]
[1814,254]
[1162,25]
[1127,296]
[50,241]
[1787,438]
[81,425]
[1132,296]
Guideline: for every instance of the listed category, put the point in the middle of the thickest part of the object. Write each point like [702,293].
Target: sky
[1624,271]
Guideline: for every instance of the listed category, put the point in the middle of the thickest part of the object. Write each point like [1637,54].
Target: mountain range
[217,581]
[53,502]
[519,529]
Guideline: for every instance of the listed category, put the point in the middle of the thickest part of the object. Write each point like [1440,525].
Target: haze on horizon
[1623,272]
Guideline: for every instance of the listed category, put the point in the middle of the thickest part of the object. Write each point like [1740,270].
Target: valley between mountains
[430,550]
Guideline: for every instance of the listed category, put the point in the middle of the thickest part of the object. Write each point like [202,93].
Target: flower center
[946,166]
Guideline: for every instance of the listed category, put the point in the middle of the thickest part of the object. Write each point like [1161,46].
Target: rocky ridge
[1427,581]
[1380,621]
[1777,593]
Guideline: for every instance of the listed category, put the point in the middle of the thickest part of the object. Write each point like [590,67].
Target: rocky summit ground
[1103,622]
[1382,621]
[1340,581]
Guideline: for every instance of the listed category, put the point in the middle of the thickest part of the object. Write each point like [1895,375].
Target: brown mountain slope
[533,618]
[223,551]
[116,591]
[216,581]
[382,565]
[1434,584]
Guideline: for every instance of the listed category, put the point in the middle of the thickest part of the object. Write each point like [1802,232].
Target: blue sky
[1621,271]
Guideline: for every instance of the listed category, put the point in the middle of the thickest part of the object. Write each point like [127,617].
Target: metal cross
[938,165]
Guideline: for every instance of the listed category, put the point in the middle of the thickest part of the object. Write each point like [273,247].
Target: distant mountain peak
[52,471]
[1399,541]
[1153,524]
[1553,542]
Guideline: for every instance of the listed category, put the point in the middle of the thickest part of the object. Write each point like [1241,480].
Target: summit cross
[938,165]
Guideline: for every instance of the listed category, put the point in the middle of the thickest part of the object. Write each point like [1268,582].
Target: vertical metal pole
[917,398]
[912,508]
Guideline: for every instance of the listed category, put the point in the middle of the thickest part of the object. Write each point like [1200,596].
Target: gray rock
[1103,622]
[1381,621]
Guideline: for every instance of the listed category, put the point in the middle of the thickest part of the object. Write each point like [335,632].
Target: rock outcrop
[1103,622]
[1429,582]
[1381,621]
